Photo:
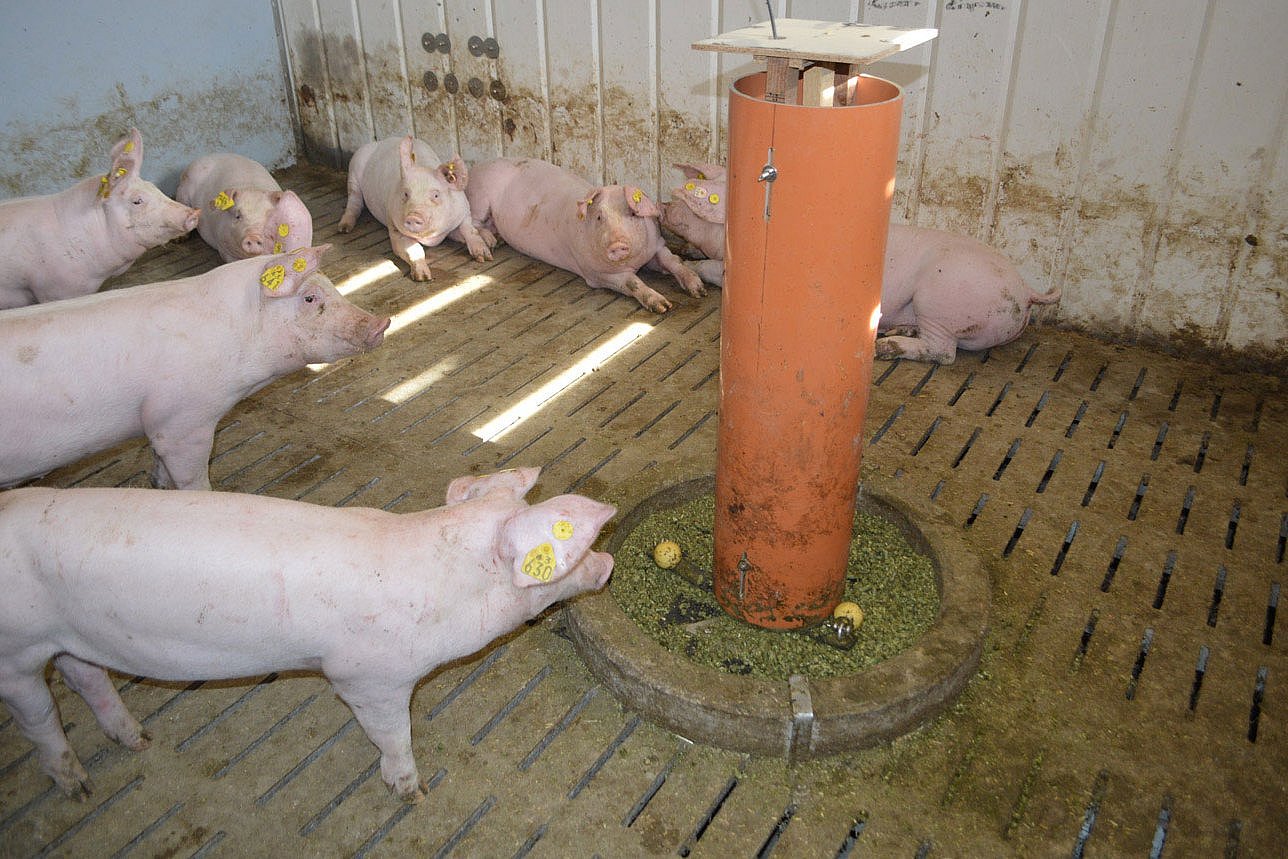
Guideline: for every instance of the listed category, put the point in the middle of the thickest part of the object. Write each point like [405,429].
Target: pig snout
[253,244]
[618,250]
[598,567]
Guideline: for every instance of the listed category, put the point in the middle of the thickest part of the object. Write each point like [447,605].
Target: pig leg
[182,457]
[27,696]
[353,206]
[385,716]
[474,239]
[934,342]
[689,280]
[92,683]
[411,252]
[630,284]
[710,270]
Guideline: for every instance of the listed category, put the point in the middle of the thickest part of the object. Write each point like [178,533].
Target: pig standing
[165,360]
[244,212]
[939,291]
[604,234]
[696,213]
[221,585]
[65,245]
[420,200]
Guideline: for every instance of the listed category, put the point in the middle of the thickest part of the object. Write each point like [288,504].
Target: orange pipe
[802,295]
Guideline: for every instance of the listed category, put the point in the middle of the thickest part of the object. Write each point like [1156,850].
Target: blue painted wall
[193,77]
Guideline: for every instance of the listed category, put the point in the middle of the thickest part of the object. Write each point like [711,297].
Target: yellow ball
[851,611]
[667,554]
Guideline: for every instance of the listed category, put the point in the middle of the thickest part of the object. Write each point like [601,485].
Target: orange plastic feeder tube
[803,262]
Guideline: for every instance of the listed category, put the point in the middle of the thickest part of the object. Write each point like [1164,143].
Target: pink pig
[209,585]
[420,200]
[166,360]
[244,212]
[604,234]
[66,244]
[942,291]
[696,213]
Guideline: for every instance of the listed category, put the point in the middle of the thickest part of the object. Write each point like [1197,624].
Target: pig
[165,360]
[244,212]
[227,585]
[604,234]
[696,213]
[941,292]
[418,198]
[66,244]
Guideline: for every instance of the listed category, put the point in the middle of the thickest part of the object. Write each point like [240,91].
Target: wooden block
[818,84]
[780,83]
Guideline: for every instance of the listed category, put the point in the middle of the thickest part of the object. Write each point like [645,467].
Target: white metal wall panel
[1130,153]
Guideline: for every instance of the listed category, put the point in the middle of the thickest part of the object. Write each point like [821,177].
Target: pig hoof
[420,274]
[347,224]
[886,349]
[411,794]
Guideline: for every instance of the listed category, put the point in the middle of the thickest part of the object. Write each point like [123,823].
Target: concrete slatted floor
[1132,509]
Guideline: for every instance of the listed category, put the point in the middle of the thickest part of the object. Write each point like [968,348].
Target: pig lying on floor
[604,234]
[166,360]
[244,212]
[65,245]
[939,292]
[208,585]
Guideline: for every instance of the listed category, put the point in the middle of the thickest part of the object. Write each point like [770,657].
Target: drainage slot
[1100,375]
[1233,526]
[894,365]
[307,761]
[622,736]
[975,435]
[1139,666]
[1201,456]
[1037,410]
[930,430]
[1006,460]
[1001,395]
[1247,465]
[1050,472]
[1118,429]
[934,493]
[464,829]
[1019,531]
[851,838]
[1258,693]
[1141,489]
[225,713]
[1094,484]
[894,416]
[703,822]
[1216,404]
[526,847]
[970,377]
[262,738]
[98,811]
[1077,419]
[1218,591]
[1064,548]
[1283,539]
[1186,507]
[1064,365]
[1025,360]
[509,706]
[777,832]
[916,389]
[1098,790]
[1135,388]
[1272,607]
[1164,580]
[1084,642]
[1199,670]
[979,508]
[465,683]
[1176,395]
[568,718]
[1160,831]
[1158,442]
[642,803]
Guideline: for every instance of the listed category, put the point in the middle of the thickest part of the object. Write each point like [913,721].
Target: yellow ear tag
[713,199]
[121,171]
[129,146]
[222,201]
[300,264]
[277,247]
[540,563]
[273,276]
[562,529]
[103,188]
[637,196]
[283,230]
[689,186]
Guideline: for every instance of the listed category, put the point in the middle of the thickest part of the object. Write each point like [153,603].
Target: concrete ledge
[803,718]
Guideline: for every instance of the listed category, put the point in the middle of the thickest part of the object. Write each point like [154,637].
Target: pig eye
[138,201]
[310,298]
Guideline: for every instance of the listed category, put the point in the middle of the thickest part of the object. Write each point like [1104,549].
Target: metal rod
[773,28]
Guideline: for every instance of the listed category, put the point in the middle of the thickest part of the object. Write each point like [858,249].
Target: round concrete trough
[800,718]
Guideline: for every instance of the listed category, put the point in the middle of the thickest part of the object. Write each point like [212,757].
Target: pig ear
[454,172]
[641,204]
[701,171]
[127,154]
[543,542]
[516,480]
[583,206]
[407,154]
[282,274]
[289,223]
[705,199]
[130,146]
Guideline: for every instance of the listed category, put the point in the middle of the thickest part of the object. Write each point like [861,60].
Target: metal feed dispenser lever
[812,151]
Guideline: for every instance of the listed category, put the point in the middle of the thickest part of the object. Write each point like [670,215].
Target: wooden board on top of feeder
[822,41]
